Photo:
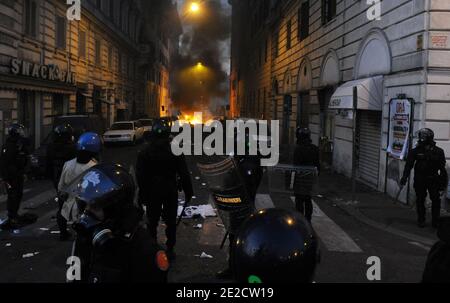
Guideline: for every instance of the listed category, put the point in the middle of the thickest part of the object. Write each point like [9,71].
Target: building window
[329,8]
[303,21]
[276,44]
[31,15]
[288,34]
[61,32]
[82,44]
[98,58]
[110,57]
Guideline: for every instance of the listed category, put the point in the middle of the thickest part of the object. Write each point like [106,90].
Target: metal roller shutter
[368,146]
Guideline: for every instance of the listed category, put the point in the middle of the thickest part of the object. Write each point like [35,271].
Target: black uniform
[59,153]
[305,154]
[14,159]
[131,257]
[430,176]
[437,269]
[157,169]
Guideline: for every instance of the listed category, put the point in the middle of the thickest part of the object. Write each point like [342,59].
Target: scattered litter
[203,211]
[29,255]
[197,178]
[334,205]
[204,256]
[44,229]
[203,184]
[319,196]
[198,226]
[220,225]
[8,245]
[55,232]
[16,231]
[194,197]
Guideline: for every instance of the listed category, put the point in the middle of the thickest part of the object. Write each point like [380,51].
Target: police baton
[224,239]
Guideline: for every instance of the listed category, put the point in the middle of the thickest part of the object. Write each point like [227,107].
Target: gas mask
[92,228]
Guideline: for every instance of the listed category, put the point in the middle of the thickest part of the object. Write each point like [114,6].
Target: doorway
[327,121]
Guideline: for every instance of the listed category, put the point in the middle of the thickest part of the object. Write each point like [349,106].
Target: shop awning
[10,82]
[370,95]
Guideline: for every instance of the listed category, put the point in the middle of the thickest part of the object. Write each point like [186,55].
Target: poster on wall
[400,128]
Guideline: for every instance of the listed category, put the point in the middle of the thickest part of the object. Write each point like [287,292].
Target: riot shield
[228,190]
[291,179]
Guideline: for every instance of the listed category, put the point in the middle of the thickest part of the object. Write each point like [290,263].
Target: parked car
[146,124]
[80,124]
[124,132]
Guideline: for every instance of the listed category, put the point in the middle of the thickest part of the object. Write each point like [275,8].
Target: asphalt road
[34,254]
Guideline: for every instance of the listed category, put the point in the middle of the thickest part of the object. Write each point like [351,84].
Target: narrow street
[346,241]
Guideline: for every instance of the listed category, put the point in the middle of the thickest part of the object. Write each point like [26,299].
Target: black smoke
[203,41]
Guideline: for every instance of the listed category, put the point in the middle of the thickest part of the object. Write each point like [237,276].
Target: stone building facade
[295,61]
[51,66]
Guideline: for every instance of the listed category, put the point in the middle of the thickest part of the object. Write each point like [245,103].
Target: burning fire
[195,119]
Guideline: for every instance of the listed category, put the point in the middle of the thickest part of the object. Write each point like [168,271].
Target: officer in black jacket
[157,172]
[305,154]
[112,245]
[60,150]
[430,174]
[437,269]
[14,157]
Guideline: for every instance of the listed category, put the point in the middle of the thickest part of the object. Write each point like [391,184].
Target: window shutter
[82,44]
[60,32]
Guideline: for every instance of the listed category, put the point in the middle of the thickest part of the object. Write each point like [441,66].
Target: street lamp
[195,7]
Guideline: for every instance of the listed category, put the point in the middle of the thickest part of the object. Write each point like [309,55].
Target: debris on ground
[204,256]
[197,178]
[44,229]
[198,226]
[220,225]
[16,231]
[29,255]
[203,211]
[8,245]
[55,232]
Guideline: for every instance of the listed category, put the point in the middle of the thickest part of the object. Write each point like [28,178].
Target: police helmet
[303,133]
[90,142]
[17,130]
[63,132]
[108,187]
[275,246]
[425,135]
[160,128]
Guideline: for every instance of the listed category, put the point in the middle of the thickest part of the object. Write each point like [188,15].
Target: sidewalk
[374,208]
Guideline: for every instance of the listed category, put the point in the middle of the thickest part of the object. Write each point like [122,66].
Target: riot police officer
[60,150]
[89,146]
[437,269]
[14,157]
[275,246]
[305,154]
[157,169]
[112,245]
[430,174]
[251,172]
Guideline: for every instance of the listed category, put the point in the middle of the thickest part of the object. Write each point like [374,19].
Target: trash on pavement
[44,229]
[29,255]
[204,256]
[197,178]
[8,245]
[203,184]
[220,225]
[198,226]
[319,196]
[194,197]
[204,211]
[55,232]
[16,231]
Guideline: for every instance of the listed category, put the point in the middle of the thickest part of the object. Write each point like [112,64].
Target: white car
[124,132]
[146,124]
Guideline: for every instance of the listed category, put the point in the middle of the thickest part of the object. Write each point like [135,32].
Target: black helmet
[303,133]
[160,128]
[426,136]
[63,132]
[106,186]
[275,246]
[16,130]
